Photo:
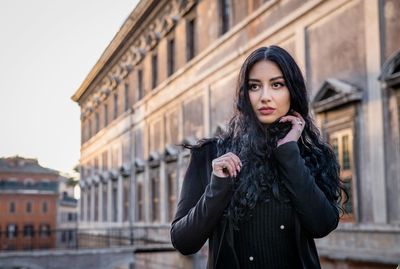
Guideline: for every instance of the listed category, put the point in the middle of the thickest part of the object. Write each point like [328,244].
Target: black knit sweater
[267,238]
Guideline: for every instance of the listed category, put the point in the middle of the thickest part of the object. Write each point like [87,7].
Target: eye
[277,85]
[253,87]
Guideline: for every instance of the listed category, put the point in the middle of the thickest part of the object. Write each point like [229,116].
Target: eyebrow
[272,79]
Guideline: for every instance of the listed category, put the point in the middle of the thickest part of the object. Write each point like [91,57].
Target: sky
[47,48]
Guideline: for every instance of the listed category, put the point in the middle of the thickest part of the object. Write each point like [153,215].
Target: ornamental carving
[149,38]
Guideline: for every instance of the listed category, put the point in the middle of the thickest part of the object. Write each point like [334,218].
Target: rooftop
[18,164]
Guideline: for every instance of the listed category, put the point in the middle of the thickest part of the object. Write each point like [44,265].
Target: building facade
[67,215]
[169,76]
[28,204]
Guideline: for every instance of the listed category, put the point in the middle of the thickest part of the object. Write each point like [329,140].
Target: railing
[140,237]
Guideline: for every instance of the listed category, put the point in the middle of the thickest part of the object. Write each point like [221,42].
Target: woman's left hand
[294,134]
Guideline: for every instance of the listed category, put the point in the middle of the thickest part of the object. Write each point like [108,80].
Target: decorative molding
[113,174]
[125,170]
[146,41]
[390,74]
[185,6]
[154,159]
[139,165]
[334,93]
[170,153]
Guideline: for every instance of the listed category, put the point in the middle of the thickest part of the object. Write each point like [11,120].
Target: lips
[266,110]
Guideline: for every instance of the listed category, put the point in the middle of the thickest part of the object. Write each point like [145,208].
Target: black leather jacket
[205,196]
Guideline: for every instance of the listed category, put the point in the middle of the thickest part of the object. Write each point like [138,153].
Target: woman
[265,188]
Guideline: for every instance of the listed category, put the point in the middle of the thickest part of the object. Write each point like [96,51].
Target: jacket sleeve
[318,216]
[201,204]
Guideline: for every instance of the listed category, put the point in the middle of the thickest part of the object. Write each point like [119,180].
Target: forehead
[266,69]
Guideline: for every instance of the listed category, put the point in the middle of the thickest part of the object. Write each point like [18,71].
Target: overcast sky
[47,49]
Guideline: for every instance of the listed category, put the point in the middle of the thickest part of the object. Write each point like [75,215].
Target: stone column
[120,192]
[100,201]
[84,202]
[163,193]
[109,200]
[146,193]
[92,200]
[374,117]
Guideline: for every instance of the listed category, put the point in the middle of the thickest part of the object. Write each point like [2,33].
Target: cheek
[284,102]
[253,99]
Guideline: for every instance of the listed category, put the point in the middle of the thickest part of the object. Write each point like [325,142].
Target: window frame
[12,207]
[171,46]
[346,175]
[225,15]
[191,39]
[154,70]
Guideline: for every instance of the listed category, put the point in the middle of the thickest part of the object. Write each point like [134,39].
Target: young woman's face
[269,96]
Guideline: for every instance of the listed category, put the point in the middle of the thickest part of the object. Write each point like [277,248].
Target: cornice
[112,48]
[132,43]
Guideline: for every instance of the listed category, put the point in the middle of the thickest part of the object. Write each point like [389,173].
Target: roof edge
[112,47]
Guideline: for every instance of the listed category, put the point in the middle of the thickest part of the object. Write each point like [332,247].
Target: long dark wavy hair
[254,142]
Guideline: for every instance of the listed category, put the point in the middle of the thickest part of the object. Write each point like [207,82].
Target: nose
[265,94]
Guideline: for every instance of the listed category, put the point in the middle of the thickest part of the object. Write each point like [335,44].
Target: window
[44,230]
[140,202]
[70,216]
[155,192]
[171,56]
[11,208]
[28,230]
[105,202]
[96,165]
[70,235]
[105,108]
[83,192]
[12,231]
[28,207]
[342,144]
[114,201]
[83,138]
[126,199]
[190,39]
[171,195]
[225,14]
[89,203]
[44,207]
[154,70]
[104,161]
[97,119]
[96,203]
[90,128]
[126,97]
[64,236]
[140,84]
[115,114]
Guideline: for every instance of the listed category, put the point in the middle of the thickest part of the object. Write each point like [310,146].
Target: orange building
[28,204]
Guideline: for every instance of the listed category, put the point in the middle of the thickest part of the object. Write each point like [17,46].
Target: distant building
[67,215]
[169,76]
[28,204]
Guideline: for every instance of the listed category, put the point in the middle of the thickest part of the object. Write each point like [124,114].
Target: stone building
[169,76]
[28,204]
[67,213]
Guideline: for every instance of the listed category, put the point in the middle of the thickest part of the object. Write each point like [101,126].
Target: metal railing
[83,238]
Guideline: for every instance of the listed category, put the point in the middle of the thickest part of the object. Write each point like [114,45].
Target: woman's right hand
[226,165]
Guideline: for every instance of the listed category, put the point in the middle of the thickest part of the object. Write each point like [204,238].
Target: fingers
[297,122]
[227,165]
[295,119]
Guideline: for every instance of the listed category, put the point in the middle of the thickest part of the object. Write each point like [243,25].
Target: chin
[267,121]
